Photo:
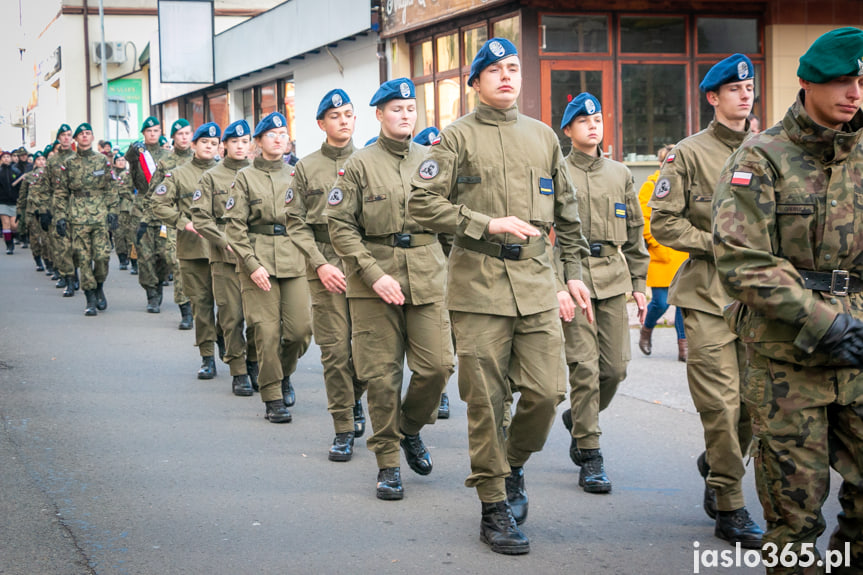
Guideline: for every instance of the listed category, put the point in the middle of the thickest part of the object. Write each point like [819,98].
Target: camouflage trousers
[62,251]
[154,264]
[803,426]
[38,238]
[92,250]
[125,234]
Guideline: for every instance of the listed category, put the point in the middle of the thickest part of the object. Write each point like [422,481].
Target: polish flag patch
[741,178]
[670,158]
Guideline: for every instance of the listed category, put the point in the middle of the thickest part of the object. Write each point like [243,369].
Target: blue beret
[735,68]
[270,122]
[837,53]
[492,51]
[333,99]
[582,105]
[428,136]
[371,141]
[237,129]
[179,125]
[400,88]
[208,130]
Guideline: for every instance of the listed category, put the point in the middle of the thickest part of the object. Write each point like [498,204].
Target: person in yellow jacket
[664,262]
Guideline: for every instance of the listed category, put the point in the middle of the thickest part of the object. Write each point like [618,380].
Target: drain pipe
[87,58]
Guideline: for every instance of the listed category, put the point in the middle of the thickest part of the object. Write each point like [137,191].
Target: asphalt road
[114,458]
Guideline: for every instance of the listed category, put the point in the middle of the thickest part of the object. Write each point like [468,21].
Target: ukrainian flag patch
[620,210]
[546,186]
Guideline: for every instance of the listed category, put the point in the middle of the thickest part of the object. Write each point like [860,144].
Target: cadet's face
[733,102]
[585,132]
[85,140]
[120,163]
[183,138]
[835,102]
[273,143]
[338,123]
[398,118]
[65,140]
[6,159]
[39,162]
[206,148]
[151,135]
[238,148]
[500,84]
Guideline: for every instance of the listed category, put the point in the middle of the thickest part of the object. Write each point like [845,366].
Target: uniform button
[833,203]
[827,258]
[833,300]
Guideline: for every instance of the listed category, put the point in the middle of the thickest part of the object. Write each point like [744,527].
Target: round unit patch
[497,48]
[429,169]
[405,90]
[161,190]
[336,196]
[337,100]
[289,195]
[229,204]
[663,187]
[197,195]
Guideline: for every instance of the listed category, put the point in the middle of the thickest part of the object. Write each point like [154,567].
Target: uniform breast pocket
[701,208]
[616,217]
[379,212]
[472,189]
[795,227]
[542,197]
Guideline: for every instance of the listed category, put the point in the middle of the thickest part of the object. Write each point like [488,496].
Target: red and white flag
[148,165]
[741,178]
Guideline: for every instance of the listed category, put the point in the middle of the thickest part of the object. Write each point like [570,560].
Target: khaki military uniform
[84,196]
[372,231]
[495,163]
[61,246]
[681,219]
[171,202]
[124,236]
[28,207]
[39,199]
[787,207]
[153,266]
[208,213]
[314,178]
[255,215]
[598,353]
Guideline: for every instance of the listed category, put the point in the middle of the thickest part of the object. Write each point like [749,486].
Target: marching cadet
[28,208]
[41,194]
[171,203]
[788,241]
[208,213]
[62,246]
[395,284]
[598,353]
[681,220]
[125,235]
[271,268]
[307,225]
[497,180]
[85,207]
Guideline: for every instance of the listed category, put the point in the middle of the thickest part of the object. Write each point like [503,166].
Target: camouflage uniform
[124,237]
[153,266]
[62,246]
[787,202]
[39,198]
[28,210]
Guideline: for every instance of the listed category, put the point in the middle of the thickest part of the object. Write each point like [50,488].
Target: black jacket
[8,192]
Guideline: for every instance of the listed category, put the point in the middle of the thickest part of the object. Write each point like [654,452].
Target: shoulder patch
[161,190]
[670,158]
[289,195]
[663,187]
[336,196]
[293,172]
[197,195]
[741,178]
[229,204]
[429,169]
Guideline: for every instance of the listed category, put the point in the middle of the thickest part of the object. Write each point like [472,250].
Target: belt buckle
[840,280]
[401,240]
[510,251]
[595,250]
[279,230]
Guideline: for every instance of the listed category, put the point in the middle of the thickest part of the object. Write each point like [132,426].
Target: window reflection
[647,35]
[654,108]
[448,99]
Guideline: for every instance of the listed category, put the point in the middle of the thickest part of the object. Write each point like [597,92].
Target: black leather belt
[502,251]
[837,282]
[600,250]
[272,230]
[404,240]
[322,233]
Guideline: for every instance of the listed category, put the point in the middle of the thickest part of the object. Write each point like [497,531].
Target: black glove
[139,146]
[844,340]
[17,217]
[61,228]
[45,221]
[142,229]
[113,222]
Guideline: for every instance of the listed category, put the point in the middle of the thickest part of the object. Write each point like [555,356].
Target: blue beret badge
[277,122]
[405,90]
[212,131]
[497,48]
[742,70]
[239,130]
[337,100]
[429,169]
[589,106]
[336,196]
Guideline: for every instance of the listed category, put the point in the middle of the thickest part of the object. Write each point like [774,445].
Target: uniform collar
[399,148]
[827,144]
[495,116]
[89,152]
[203,163]
[153,148]
[269,165]
[582,161]
[334,153]
[235,165]
[726,135]
[188,153]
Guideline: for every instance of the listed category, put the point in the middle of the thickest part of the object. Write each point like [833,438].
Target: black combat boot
[220,344]
[49,267]
[288,392]
[101,302]
[208,367]
[343,447]
[90,310]
[252,370]
[70,287]
[124,261]
[499,530]
[39,266]
[418,457]
[25,242]
[389,487]
[573,444]
[77,281]
[359,419]
[152,300]
[592,477]
[277,412]
[738,527]
[160,292]
[61,280]
[241,386]
[709,501]
[516,495]
[134,270]
[443,409]
[186,321]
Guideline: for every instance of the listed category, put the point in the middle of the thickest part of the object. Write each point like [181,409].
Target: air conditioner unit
[115,53]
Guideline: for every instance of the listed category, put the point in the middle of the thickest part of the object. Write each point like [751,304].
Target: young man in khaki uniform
[598,353]
[314,177]
[681,219]
[497,181]
[171,203]
[208,213]
[395,284]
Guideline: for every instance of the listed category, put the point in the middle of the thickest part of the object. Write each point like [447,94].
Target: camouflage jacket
[788,200]
[54,171]
[40,192]
[26,203]
[85,193]
[125,190]
[208,210]
[163,166]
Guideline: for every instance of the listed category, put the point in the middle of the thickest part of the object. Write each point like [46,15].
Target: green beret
[81,128]
[63,128]
[179,125]
[836,53]
[38,154]
[48,149]
[163,140]
[150,122]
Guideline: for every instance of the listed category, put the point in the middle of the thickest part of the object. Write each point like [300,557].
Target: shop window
[423,59]
[654,108]
[286,104]
[705,110]
[473,41]
[449,101]
[447,52]
[249,106]
[471,99]
[584,34]
[425,106]
[652,35]
[509,28]
[269,101]
[728,36]
[194,111]
[217,106]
